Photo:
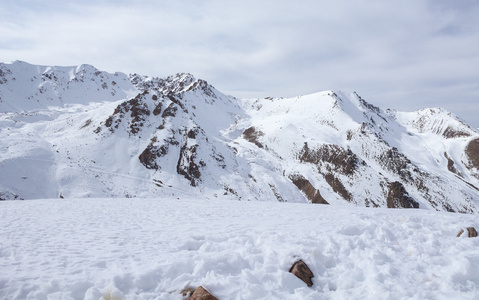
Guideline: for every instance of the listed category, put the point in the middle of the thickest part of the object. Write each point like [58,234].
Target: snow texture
[154,248]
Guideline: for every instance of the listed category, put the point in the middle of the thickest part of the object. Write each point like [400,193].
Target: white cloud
[404,55]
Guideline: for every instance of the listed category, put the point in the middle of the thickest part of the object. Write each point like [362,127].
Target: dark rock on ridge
[308,189]
[398,197]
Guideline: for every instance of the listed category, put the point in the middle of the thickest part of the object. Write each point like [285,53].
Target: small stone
[302,271]
[472,231]
[202,294]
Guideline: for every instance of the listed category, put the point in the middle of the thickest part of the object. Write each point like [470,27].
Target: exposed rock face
[252,136]
[301,270]
[202,294]
[338,186]
[450,165]
[308,189]
[170,111]
[331,161]
[151,153]
[398,197]
[451,133]
[157,109]
[341,160]
[472,151]
[398,163]
[187,166]
[138,113]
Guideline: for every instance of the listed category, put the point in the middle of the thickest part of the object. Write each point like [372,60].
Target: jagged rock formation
[81,132]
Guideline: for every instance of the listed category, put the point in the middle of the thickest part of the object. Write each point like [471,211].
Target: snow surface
[153,248]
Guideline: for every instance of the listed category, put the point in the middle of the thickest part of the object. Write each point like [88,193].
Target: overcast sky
[404,55]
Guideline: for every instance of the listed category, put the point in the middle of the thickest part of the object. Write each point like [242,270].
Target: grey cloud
[404,55]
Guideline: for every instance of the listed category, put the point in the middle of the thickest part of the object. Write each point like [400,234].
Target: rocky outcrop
[450,165]
[339,159]
[397,163]
[338,187]
[301,270]
[149,156]
[138,114]
[451,133]
[308,189]
[472,152]
[398,197]
[187,166]
[252,136]
[170,111]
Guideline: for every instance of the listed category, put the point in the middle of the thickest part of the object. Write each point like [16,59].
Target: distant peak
[177,83]
[85,68]
[182,77]
[15,62]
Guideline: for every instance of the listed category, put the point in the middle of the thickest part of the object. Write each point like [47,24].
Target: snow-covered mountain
[80,132]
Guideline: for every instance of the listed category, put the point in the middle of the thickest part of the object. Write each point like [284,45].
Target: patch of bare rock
[301,270]
[470,230]
[199,293]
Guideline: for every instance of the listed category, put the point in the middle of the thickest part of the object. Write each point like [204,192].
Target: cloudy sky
[404,55]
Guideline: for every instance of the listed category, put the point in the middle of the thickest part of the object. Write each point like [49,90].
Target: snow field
[153,248]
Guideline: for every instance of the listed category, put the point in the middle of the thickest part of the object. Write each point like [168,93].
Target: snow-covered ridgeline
[96,134]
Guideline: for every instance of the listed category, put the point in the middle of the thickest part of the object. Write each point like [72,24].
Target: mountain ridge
[81,132]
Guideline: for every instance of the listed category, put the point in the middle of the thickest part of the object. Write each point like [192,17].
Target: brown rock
[472,152]
[308,189]
[302,271]
[202,294]
[398,197]
[471,232]
[252,136]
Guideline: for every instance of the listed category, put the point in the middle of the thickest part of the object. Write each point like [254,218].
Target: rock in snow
[202,294]
[301,270]
[471,232]
[80,132]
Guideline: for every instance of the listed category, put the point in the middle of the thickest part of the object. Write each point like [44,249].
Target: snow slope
[26,87]
[77,132]
[153,248]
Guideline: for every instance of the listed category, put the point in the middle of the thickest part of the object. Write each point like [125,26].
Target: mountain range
[77,132]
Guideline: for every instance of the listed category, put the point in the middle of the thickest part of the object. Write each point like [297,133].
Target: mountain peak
[140,136]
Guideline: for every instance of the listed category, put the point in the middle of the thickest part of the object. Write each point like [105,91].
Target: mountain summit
[80,132]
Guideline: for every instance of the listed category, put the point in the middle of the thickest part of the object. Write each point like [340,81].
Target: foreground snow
[153,248]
